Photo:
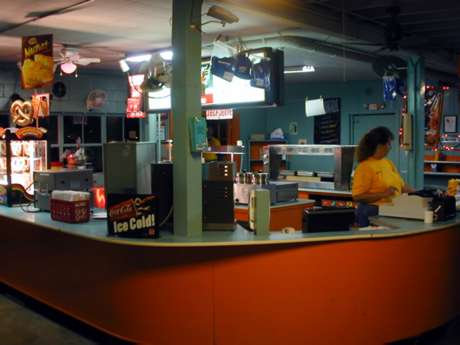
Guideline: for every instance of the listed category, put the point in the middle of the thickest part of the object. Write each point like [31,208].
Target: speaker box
[162,188]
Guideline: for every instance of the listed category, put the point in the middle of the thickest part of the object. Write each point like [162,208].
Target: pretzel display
[19,164]
[26,148]
[22,113]
[16,148]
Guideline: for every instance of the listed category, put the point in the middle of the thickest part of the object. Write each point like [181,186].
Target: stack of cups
[428,217]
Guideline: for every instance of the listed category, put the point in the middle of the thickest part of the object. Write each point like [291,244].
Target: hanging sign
[135,103]
[37,66]
[219,114]
[134,108]
[131,215]
[41,104]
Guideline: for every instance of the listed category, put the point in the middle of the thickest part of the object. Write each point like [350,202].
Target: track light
[220,15]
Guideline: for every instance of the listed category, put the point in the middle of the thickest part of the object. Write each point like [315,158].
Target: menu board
[37,61]
[327,127]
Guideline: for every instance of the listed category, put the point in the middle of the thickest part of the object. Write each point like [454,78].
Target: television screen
[218,92]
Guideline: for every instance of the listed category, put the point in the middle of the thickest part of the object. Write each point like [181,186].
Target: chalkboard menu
[327,127]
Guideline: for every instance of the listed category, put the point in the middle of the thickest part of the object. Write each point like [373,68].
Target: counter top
[326,191]
[97,230]
[283,204]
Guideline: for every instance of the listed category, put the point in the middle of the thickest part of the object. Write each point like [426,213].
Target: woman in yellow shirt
[376,180]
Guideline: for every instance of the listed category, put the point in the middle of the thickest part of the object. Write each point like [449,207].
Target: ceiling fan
[69,59]
[394,36]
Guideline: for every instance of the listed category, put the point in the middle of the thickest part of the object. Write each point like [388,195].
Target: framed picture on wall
[450,124]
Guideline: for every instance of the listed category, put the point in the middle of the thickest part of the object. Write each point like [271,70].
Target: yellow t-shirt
[376,176]
[213,142]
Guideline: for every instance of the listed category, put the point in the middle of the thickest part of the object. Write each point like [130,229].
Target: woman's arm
[372,197]
[407,189]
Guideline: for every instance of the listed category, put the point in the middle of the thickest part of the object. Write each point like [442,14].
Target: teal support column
[186,103]
[415,104]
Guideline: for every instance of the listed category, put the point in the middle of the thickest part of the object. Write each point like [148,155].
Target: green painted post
[415,103]
[186,103]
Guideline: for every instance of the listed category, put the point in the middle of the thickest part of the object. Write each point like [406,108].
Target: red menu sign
[134,104]
[219,114]
[37,61]
[134,108]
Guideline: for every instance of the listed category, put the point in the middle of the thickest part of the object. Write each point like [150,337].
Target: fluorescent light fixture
[139,58]
[124,65]
[68,67]
[299,69]
[167,55]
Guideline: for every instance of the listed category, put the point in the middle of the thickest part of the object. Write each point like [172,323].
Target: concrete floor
[21,326]
[26,322]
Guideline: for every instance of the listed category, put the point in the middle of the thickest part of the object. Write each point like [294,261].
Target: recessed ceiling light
[124,65]
[167,55]
[139,58]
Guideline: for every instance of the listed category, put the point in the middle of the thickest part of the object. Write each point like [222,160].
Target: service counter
[352,287]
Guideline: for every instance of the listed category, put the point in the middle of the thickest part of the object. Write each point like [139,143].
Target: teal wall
[353,95]
[114,83]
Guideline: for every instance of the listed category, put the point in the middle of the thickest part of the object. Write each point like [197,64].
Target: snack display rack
[18,160]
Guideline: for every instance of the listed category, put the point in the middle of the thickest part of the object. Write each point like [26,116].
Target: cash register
[414,205]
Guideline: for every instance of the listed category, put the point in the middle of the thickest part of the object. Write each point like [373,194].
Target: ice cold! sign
[131,215]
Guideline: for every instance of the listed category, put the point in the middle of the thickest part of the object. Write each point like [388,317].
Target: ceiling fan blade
[62,10]
[44,15]
[87,61]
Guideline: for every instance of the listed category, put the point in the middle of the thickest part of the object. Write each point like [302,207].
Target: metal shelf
[310,150]
[442,162]
[432,173]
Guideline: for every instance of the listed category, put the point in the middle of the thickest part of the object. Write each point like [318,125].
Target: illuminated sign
[215,90]
[134,104]
[99,197]
[219,114]
[134,108]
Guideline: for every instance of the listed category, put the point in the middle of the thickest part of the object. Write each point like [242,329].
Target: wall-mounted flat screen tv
[237,93]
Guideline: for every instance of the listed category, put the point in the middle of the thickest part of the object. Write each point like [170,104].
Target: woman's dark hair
[368,144]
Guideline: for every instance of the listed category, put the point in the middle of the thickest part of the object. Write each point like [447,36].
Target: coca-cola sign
[131,215]
[123,210]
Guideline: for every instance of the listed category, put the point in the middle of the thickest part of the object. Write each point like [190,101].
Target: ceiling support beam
[186,103]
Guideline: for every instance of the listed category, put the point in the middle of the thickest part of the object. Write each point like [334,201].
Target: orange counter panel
[369,291]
